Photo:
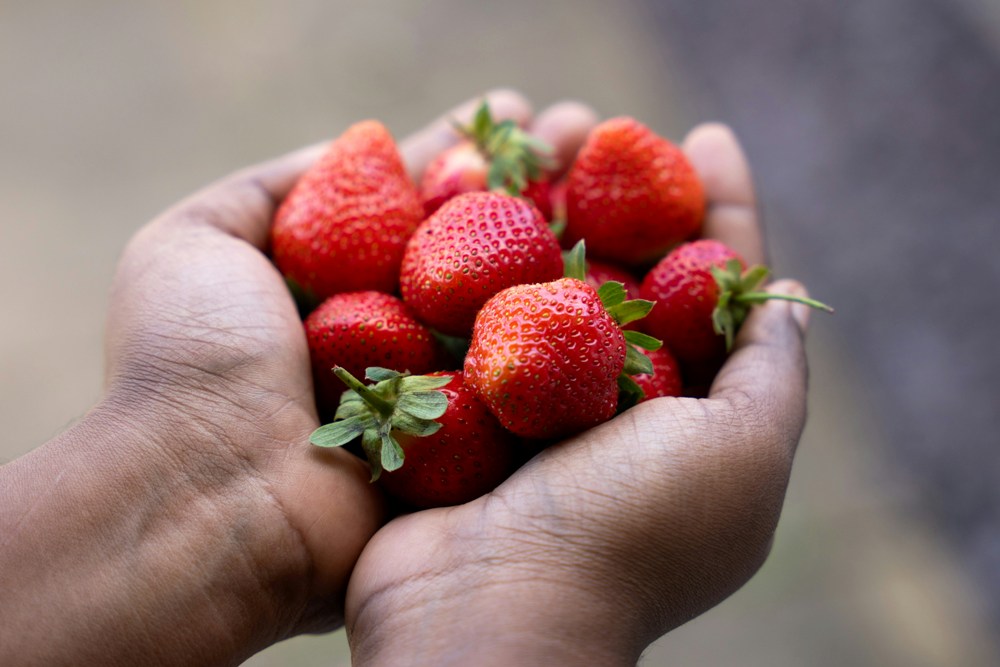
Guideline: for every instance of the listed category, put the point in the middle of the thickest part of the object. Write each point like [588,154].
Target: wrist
[119,549]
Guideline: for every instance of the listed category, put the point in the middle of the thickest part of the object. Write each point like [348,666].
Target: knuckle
[224,206]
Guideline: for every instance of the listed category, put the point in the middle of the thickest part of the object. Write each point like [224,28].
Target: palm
[201,315]
[229,324]
[615,503]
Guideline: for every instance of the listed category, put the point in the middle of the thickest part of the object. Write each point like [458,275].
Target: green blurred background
[111,111]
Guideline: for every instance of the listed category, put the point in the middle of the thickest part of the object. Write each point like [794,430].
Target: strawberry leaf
[339,433]
[642,340]
[496,178]
[378,374]
[423,383]
[392,451]
[629,393]
[724,324]
[407,423]
[630,311]
[575,262]
[636,363]
[423,404]
[483,121]
[752,278]
[351,404]
[371,443]
[612,293]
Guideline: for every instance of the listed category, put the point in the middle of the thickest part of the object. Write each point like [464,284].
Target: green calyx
[396,402]
[575,262]
[739,292]
[514,156]
[623,311]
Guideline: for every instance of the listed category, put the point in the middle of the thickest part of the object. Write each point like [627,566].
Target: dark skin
[186,520]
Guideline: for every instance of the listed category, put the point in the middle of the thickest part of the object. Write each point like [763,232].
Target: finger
[767,375]
[243,204]
[564,127]
[732,205]
[423,146]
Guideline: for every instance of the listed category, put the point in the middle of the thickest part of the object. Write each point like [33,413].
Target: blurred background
[874,132]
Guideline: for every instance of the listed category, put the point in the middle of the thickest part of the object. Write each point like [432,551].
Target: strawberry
[546,358]
[344,225]
[423,462]
[702,297]
[461,168]
[468,457]
[474,246]
[539,192]
[632,194]
[493,156]
[550,359]
[685,293]
[599,273]
[361,329]
[666,377]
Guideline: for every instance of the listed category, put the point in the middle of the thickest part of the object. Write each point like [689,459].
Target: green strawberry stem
[384,408]
[397,402]
[514,156]
[738,293]
[754,298]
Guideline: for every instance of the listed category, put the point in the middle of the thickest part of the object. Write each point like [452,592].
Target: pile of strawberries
[480,338]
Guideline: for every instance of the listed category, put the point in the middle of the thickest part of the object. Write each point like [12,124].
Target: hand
[186,519]
[604,542]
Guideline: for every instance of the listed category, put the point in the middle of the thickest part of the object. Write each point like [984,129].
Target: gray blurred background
[874,131]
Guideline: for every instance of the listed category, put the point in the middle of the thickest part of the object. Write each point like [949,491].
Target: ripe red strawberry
[666,377]
[468,457]
[493,156]
[361,329]
[344,225]
[632,194]
[686,293]
[599,273]
[702,296]
[539,192]
[461,168]
[548,360]
[474,246]
[426,463]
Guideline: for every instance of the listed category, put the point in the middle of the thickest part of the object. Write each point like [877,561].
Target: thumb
[767,372]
